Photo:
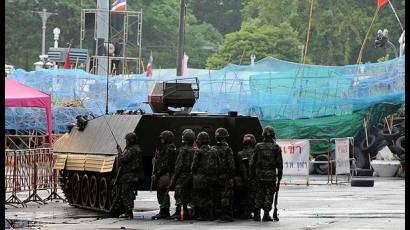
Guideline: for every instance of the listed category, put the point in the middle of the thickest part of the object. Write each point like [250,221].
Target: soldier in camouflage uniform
[243,192]
[203,169]
[266,159]
[130,169]
[226,171]
[163,171]
[182,177]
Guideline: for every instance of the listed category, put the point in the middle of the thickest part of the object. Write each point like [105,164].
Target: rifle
[153,170]
[116,177]
[116,194]
[275,211]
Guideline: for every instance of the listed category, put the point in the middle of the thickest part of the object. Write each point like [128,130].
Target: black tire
[402,159]
[372,144]
[393,148]
[363,172]
[400,145]
[385,135]
[321,168]
[380,146]
[362,159]
[355,182]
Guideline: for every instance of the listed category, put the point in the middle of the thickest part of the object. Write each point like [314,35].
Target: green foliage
[224,15]
[337,29]
[263,27]
[280,42]
[384,58]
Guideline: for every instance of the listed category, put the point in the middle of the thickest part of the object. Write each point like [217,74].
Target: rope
[397,17]
[308,31]
[359,58]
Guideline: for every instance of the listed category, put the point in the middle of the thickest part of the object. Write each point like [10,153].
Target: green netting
[349,125]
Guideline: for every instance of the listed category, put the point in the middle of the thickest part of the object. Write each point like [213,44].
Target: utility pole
[181,36]
[44,15]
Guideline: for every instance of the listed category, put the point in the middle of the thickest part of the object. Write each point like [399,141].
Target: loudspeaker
[89,21]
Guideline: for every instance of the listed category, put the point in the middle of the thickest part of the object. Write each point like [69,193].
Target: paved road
[300,207]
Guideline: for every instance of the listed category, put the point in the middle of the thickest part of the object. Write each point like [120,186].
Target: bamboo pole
[388,126]
[240,60]
[76,63]
[359,58]
[365,131]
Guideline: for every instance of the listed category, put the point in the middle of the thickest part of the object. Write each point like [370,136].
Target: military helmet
[249,139]
[168,136]
[222,133]
[188,136]
[268,132]
[131,137]
[203,138]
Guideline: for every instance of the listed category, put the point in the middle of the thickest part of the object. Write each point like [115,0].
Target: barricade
[296,162]
[29,170]
[342,159]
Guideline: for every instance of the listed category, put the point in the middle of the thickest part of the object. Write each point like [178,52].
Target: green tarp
[330,127]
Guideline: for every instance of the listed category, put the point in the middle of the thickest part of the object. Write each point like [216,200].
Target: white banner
[295,155]
[342,156]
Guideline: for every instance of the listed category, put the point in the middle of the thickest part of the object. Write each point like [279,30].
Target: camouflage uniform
[266,159]
[163,171]
[204,167]
[225,180]
[130,165]
[182,177]
[243,192]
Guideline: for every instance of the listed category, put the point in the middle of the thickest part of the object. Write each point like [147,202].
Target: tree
[336,26]
[280,42]
[224,15]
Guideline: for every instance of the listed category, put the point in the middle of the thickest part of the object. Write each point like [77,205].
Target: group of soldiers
[214,181]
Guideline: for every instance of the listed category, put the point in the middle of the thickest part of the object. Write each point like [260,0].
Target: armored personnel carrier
[86,156]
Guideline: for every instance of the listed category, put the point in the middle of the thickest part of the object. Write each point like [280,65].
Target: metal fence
[30,170]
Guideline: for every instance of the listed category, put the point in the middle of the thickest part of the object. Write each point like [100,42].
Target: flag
[185,65]
[119,5]
[149,66]
[67,64]
[380,3]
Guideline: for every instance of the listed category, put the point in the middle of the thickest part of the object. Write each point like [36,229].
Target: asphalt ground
[317,206]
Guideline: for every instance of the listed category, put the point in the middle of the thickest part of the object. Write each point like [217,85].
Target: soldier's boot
[177,214]
[127,215]
[163,213]
[266,216]
[275,215]
[211,216]
[257,215]
[199,215]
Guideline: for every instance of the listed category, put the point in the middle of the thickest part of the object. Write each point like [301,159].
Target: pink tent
[19,95]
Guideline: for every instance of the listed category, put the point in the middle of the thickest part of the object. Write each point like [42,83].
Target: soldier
[130,169]
[266,159]
[203,169]
[182,177]
[243,183]
[164,162]
[226,170]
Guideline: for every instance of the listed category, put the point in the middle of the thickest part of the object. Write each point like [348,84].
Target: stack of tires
[378,138]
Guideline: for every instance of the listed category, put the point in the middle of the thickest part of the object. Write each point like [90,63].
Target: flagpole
[180,44]
[108,58]
[397,17]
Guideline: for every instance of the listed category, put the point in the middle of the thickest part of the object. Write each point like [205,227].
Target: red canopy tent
[19,95]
